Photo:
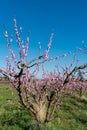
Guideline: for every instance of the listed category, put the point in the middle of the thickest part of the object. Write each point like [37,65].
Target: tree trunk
[40,111]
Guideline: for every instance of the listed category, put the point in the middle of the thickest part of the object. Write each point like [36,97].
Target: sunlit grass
[72,115]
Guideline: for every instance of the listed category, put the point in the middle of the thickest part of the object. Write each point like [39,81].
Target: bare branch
[42,57]
[5,73]
[74,70]
[35,59]
[37,63]
[78,68]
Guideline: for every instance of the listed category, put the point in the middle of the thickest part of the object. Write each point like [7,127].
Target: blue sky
[66,18]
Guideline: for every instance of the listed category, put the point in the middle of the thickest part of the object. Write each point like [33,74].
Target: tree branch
[35,59]
[3,72]
[74,70]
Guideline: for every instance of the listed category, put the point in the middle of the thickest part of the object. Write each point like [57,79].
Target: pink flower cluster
[50,84]
[48,47]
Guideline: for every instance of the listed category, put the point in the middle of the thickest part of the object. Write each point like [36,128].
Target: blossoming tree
[39,96]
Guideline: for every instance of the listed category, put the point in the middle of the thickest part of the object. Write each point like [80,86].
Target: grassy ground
[71,116]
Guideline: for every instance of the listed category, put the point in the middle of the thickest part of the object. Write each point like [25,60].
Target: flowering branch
[40,96]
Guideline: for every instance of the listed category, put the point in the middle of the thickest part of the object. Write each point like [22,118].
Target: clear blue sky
[66,18]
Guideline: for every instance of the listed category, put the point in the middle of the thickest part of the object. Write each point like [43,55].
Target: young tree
[39,96]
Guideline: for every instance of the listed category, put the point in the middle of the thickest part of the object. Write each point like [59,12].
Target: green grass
[72,115]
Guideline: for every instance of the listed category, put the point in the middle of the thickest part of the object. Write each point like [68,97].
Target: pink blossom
[46,54]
